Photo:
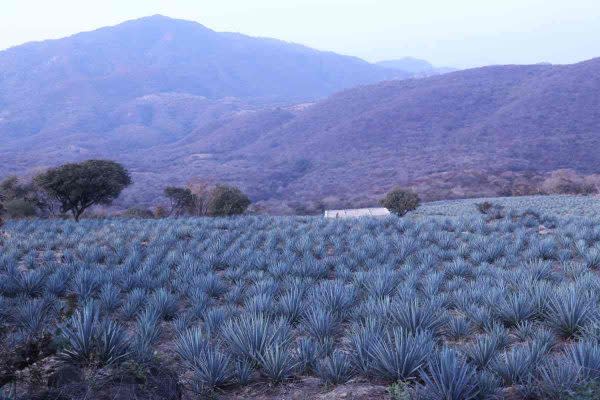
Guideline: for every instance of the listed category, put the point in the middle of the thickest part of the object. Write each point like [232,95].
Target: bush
[400,201]
[492,210]
[227,200]
[136,212]
[19,208]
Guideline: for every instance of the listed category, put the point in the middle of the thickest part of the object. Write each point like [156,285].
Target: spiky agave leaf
[568,312]
[557,378]
[250,335]
[448,377]
[585,355]
[335,369]
[113,343]
[400,355]
[277,363]
[81,335]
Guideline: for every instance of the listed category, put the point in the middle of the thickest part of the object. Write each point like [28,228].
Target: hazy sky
[459,33]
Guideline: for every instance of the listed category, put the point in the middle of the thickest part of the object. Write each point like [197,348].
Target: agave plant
[400,355]
[31,317]
[250,335]
[482,351]
[307,354]
[515,308]
[92,341]
[210,367]
[448,377]
[335,369]
[320,323]
[277,363]
[585,355]
[516,366]
[81,336]
[113,343]
[414,317]
[557,378]
[568,312]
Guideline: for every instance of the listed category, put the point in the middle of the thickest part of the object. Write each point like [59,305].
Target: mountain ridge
[458,130]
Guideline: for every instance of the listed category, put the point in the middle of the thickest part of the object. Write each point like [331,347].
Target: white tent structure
[357,213]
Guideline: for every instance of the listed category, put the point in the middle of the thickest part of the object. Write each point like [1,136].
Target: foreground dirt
[310,389]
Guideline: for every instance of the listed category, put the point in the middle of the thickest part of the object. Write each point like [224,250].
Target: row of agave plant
[455,309]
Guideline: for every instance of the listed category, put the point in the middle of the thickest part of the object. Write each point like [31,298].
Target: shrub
[400,201]
[227,200]
[182,200]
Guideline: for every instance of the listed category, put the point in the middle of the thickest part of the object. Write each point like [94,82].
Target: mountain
[415,67]
[173,102]
[70,86]
[508,118]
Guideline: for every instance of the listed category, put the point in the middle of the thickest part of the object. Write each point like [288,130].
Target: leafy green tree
[78,186]
[182,200]
[400,201]
[227,200]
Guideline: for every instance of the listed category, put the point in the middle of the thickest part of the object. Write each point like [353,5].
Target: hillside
[134,93]
[509,118]
[89,84]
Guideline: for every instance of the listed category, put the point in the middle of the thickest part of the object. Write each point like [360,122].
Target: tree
[78,186]
[400,201]
[182,200]
[23,199]
[227,200]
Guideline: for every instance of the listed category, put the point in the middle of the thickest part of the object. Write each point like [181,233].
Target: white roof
[357,212]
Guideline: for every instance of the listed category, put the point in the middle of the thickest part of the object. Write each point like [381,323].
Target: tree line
[75,187]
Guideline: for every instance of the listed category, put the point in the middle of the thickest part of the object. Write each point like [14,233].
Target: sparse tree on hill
[182,200]
[79,186]
[400,201]
[227,200]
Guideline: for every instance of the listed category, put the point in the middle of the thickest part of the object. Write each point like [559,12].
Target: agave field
[449,309]
[563,205]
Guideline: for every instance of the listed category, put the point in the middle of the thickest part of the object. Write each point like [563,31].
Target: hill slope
[70,86]
[95,96]
[452,130]
[508,118]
